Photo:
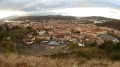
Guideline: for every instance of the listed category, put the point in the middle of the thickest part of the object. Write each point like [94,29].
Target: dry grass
[14,60]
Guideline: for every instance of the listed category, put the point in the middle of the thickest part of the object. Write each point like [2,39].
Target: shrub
[115,57]
[93,44]
[73,46]
[16,27]
[102,46]
[82,53]
[117,47]
[6,47]
[3,34]
[94,50]
[29,28]
[108,46]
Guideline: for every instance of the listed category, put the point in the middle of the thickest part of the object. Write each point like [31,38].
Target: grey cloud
[44,6]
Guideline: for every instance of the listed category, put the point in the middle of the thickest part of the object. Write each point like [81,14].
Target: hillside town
[61,33]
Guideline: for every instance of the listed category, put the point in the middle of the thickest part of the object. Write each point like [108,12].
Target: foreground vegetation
[14,60]
[105,55]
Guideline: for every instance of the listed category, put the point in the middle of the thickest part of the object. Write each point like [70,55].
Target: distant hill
[38,18]
[56,17]
[97,18]
[8,18]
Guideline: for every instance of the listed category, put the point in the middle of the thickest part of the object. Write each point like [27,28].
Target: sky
[78,8]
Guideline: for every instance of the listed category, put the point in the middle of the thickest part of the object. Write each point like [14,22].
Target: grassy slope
[14,60]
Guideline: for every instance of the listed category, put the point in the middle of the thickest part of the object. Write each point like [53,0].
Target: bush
[73,46]
[117,47]
[94,50]
[93,44]
[6,47]
[29,28]
[108,46]
[16,27]
[115,57]
[82,53]
[3,34]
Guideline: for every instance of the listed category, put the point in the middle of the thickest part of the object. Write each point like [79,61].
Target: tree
[1,27]
[40,28]
[9,45]
[73,45]
[29,28]
[16,27]
[3,34]
[108,46]
[77,32]
[117,47]
[7,27]
[38,40]
[93,44]
[17,34]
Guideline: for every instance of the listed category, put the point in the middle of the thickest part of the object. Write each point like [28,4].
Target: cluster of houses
[69,33]
[64,33]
